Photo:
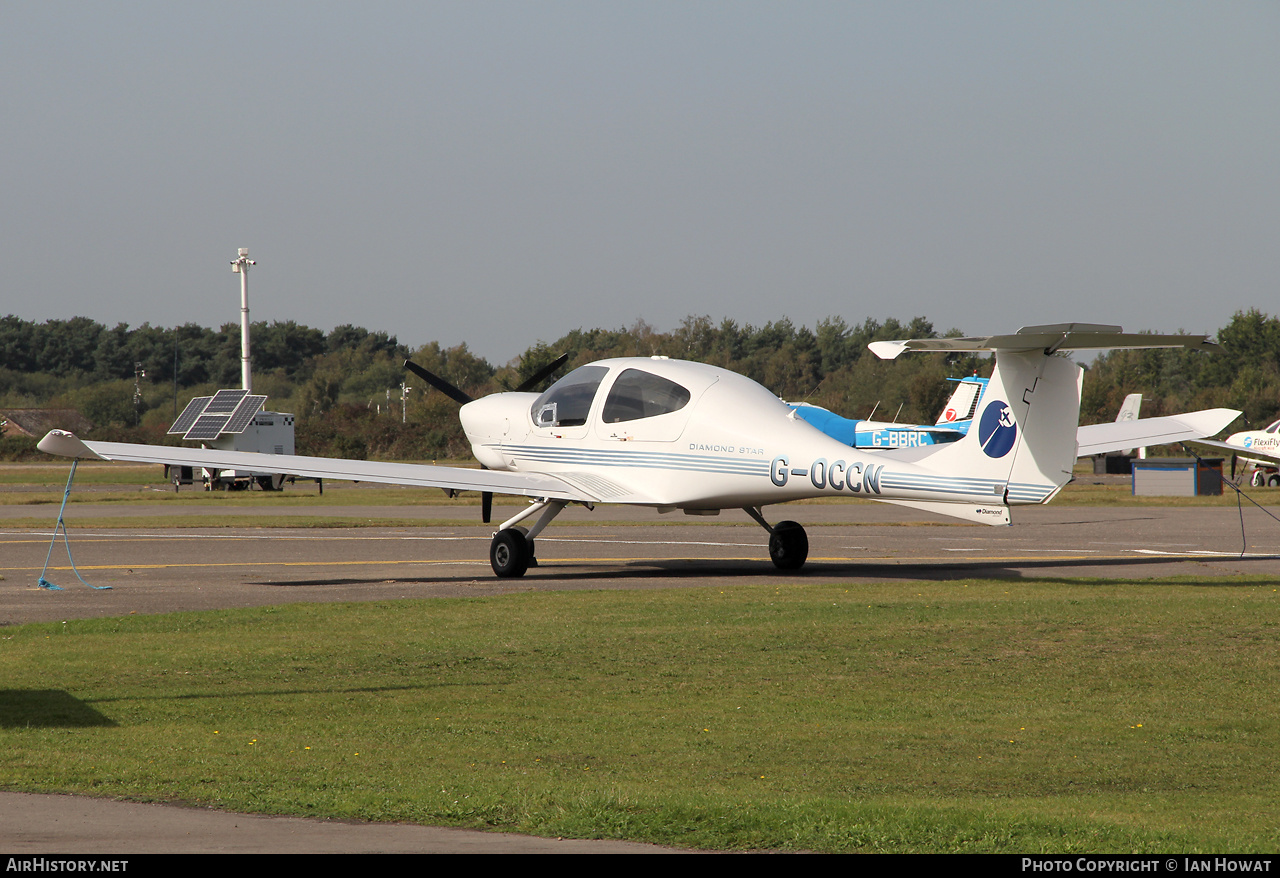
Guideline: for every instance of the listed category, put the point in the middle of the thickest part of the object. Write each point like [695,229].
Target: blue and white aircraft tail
[1025,432]
[1019,450]
[960,409]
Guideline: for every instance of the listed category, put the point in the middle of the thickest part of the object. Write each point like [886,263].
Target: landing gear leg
[788,543]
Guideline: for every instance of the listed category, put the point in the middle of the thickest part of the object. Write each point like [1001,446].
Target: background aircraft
[1129,412]
[675,435]
[951,425]
[1259,448]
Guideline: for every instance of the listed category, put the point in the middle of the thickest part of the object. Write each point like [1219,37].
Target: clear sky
[503,172]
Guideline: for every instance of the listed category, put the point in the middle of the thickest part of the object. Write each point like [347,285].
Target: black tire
[509,553]
[530,548]
[1273,481]
[1259,479]
[788,546]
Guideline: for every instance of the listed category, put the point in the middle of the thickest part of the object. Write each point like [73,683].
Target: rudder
[1024,432]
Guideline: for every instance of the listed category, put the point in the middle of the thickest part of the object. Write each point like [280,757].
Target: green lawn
[1036,716]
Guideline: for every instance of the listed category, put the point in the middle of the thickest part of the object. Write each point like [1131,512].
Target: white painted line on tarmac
[369,538]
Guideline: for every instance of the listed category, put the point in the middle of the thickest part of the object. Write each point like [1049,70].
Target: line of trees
[82,350]
[1244,375]
[344,385]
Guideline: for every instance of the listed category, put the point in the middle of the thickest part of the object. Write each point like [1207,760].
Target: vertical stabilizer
[1022,443]
[1023,435]
[1047,453]
[1129,412]
[963,404]
[1129,408]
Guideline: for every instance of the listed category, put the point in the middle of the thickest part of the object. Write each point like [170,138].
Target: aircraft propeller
[536,378]
[439,383]
[462,398]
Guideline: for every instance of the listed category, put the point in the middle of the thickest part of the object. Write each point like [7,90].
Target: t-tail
[1021,447]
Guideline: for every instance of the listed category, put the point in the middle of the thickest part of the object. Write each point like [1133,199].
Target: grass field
[1041,716]
[1032,716]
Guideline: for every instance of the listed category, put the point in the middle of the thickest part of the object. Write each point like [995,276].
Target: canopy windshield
[567,402]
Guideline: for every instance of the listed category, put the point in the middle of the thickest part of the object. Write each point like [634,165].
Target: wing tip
[64,443]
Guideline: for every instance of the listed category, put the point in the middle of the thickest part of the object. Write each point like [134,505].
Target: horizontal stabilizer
[1056,337]
[1117,436]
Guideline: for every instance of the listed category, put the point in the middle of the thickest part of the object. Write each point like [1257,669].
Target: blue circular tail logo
[997,431]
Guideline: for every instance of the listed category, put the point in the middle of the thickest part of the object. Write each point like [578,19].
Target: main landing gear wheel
[1274,481]
[1259,479]
[788,545]
[510,553]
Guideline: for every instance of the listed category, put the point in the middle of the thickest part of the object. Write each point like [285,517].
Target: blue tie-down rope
[44,583]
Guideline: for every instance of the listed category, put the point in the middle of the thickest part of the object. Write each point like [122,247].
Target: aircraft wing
[66,444]
[1117,436]
[1056,337]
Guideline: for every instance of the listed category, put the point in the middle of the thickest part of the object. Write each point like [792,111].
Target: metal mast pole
[241,267]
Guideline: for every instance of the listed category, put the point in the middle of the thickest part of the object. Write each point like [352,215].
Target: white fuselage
[732,444]
[1263,442]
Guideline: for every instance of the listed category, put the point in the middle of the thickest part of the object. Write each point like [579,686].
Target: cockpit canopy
[638,394]
[635,394]
[568,402]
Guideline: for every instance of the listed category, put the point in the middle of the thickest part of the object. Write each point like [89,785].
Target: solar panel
[207,427]
[244,413]
[224,402]
[194,409]
[227,411]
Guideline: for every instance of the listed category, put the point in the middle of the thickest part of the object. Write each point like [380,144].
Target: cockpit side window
[568,402]
[1273,427]
[637,394]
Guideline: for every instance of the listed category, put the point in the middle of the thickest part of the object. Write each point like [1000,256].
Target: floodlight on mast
[240,266]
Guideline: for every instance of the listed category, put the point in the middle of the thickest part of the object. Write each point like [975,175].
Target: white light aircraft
[1259,448]
[675,435]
